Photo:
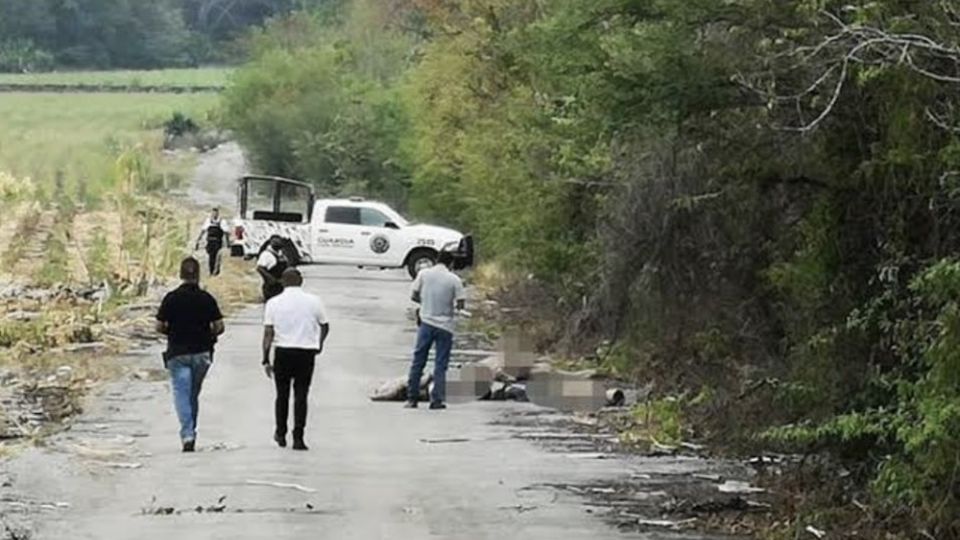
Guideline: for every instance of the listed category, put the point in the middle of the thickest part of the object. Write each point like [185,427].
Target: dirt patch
[667,488]
[215,177]
[96,240]
[30,407]
[34,243]
[55,344]
[10,227]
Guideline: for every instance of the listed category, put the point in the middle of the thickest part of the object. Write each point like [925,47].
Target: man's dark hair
[291,277]
[190,269]
[445,258]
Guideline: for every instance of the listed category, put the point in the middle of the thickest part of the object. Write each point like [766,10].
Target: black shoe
[281,440]
[189,446]
[298,444]
[410,405]
[437,405]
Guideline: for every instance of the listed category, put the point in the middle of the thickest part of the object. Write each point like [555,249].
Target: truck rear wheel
[419,260]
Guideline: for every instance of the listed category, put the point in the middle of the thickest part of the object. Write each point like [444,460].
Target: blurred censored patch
[469,383]
[567,391]
[513,373]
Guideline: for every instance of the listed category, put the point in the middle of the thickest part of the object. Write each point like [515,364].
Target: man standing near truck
[440,294]
[271,265]
[217,235]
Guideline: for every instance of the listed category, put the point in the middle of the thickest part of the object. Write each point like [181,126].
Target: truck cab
[353,231]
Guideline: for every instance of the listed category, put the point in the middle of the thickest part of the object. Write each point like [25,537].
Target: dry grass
[108,149]
[488,278]
[237,285]
[11,230]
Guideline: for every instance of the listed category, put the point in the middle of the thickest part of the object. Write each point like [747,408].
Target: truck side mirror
[391,225]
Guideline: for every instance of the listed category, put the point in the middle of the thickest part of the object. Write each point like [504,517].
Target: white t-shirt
[295,316]
[267,260]
[439,291]
[209,223]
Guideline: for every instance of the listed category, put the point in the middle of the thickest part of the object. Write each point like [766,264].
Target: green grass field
[82,134]
[160,77]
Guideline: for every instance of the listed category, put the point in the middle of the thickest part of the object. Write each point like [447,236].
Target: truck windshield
[274,200]
[260,195]
[294,201]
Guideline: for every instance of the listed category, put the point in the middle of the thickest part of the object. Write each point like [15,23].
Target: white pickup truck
[351,231]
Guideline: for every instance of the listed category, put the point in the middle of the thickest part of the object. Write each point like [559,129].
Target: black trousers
[213,250]
[293,366]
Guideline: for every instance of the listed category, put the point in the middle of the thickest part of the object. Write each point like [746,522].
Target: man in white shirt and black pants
[295,323]
[440,293]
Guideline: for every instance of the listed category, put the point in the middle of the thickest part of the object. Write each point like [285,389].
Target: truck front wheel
[420,259]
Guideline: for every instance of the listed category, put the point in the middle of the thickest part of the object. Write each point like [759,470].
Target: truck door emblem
[380,244]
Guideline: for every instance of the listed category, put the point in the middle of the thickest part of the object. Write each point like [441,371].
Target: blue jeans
[186,377]
[426,336]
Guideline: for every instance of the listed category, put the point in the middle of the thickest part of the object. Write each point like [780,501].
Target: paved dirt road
[213,182]
[369,473]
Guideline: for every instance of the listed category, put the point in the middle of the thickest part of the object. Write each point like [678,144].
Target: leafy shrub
[22,56]
[179,125]
[15,188]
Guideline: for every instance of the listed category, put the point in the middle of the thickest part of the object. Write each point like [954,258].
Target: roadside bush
[22,56]
[179,125]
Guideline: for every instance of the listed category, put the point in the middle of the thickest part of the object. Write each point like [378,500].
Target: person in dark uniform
[217,235]
[270,266]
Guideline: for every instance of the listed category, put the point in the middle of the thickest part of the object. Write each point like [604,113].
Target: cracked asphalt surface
[119,473]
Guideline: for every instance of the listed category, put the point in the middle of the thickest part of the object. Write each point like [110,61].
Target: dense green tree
[102,33]
[316,104]
[134,34]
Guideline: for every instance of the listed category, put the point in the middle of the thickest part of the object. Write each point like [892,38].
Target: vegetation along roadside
[92,236]
[747,204]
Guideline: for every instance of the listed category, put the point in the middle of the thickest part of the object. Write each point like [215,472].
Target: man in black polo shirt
[191,320]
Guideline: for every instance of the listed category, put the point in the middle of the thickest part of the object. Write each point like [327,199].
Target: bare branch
[860,45]
[829,108]
[930,74]
[940,122]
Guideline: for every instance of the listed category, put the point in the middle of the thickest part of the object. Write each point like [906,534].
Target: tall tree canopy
[38,34]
